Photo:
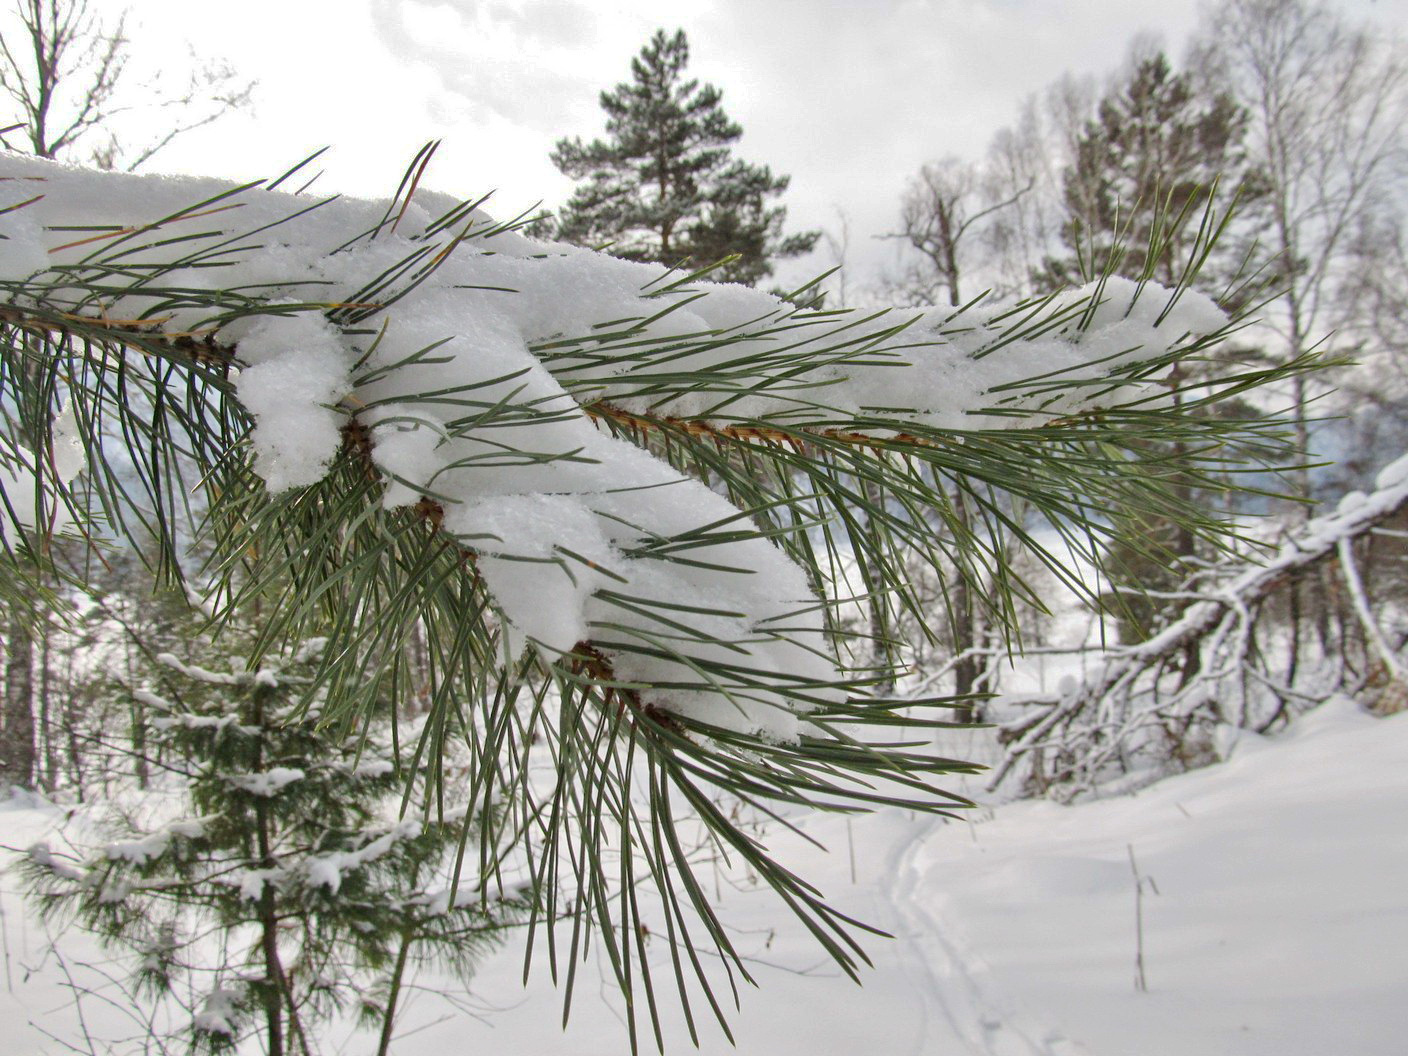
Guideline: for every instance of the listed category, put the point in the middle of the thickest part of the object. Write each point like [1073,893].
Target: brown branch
[199,345]
[588,660]
[705,430]
[202,346]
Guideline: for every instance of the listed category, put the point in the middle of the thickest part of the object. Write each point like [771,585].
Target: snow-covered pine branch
[619,503]
[477,392]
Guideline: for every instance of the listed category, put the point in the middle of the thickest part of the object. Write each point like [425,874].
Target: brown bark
[17,719]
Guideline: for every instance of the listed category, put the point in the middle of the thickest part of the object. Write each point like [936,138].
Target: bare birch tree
[67,74]
[1328,103]
[946,208]
[1030,156]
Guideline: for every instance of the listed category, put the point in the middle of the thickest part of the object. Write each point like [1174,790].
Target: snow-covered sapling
[278,886]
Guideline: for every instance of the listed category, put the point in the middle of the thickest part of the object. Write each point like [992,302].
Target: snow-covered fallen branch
[1197,668]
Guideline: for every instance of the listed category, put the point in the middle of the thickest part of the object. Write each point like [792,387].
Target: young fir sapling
[281,888]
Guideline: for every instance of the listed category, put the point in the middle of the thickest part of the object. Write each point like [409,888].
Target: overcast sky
[849,98]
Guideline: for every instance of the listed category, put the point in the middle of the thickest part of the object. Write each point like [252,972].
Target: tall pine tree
[1145,169]
[664,185]
[1153,152]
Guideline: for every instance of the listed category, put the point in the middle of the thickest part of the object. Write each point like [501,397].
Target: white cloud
[847,97]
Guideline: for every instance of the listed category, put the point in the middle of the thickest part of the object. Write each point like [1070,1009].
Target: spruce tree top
[664,186]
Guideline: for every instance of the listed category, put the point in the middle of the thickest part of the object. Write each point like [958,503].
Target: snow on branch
[472,366]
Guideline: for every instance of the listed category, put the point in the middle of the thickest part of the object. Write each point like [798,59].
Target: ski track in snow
[956,984]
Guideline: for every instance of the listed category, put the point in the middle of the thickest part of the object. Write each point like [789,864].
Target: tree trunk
[142,763]
[273,969]
[46,762]
[394,994]
[882,657]
[268,918]
[17,720]
[965,637]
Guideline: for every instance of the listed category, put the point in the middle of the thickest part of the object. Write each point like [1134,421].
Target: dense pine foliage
[663,186]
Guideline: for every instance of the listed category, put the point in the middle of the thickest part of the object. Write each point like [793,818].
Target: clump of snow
[196,673]
[439,902]
[261,677]
[1120,310]
[407,451]
[154,844]
[328,870]
[296,372]
[251,881]
[220,1013]
[194,722]
[114,891]
[538,547]
[140,851]
[145,696]
[170,716]
[373,768]
[42,854]
[266,782]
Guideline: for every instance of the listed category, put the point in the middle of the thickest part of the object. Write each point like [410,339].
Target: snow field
[1278,928]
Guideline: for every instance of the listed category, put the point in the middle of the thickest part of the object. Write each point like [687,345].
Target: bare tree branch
[67,71]
[1070,738]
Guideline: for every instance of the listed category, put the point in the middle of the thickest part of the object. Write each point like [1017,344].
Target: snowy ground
[1279,926]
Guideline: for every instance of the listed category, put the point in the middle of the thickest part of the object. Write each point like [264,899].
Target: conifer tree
[1155,151]
[283,890]
[1151,159]
[664,185]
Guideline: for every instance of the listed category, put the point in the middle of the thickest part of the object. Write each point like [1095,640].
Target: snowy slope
[1281,922]
[1280,927]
